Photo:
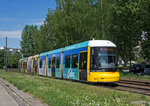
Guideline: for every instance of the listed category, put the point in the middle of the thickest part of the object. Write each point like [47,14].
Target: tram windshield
[103,59]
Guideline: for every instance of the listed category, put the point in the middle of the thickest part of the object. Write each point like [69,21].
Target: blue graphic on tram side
[70,73]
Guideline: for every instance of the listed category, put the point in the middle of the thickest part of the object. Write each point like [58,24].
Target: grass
[57,92]
[133,76]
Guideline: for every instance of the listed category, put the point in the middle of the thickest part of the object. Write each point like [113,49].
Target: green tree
[145,47]
[72,22]
[145,20]
[13,59]
[103,18]
[125,27]
[80,20]
[27,42]
[9,59]
[42,40]
[1,58]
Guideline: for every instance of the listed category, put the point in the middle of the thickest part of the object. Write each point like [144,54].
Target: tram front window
[103,59]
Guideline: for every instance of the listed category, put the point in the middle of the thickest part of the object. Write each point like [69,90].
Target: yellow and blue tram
[91,61]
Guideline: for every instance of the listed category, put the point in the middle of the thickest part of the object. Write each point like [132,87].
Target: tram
[90,61]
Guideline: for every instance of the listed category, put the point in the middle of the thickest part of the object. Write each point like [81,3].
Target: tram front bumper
[103,76]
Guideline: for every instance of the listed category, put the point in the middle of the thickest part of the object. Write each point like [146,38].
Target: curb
[23,99]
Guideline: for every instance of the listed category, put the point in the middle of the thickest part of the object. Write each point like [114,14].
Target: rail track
[134,86]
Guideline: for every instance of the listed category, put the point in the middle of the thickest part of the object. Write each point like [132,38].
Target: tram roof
[55,51]
[43,54]
[36,56]
[101,43]
[76,46]
[91,43]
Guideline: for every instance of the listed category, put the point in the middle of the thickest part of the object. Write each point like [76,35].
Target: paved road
[5,98]
[11,96]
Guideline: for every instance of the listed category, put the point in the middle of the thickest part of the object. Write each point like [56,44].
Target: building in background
[11,50]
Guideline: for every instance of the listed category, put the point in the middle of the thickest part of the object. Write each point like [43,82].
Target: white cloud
[38,23]
[11,34]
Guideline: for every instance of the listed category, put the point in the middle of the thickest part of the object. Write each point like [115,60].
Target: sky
[15,14]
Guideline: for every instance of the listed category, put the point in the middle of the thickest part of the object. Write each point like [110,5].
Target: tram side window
[34,63]
[57,62]
[75,61]
[41,63]
[23,65]
[67,61]
[49,64]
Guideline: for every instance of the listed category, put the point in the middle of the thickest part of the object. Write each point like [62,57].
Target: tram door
[35,66]
[83,66]
[33,69]
[53,66]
